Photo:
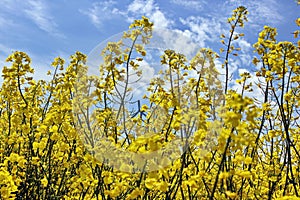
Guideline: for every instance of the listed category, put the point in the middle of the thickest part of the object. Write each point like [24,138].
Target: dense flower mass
[192,137]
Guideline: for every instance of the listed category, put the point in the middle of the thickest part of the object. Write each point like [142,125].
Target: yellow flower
[144,108]
[54,136]
[150,183]
[224,175]
[231,194]
[54,129]
[137,192]
[248,160]
[35,146]
[44,182]
[162,186]
[14,157]
[108,180]
[298,22]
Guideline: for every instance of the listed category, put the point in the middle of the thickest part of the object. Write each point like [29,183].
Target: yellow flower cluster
[74,138]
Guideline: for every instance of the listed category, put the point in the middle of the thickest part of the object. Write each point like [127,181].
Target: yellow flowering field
[192,137]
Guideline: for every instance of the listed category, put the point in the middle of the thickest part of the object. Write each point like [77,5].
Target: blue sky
[46,29]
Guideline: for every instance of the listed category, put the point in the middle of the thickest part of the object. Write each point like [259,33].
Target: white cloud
[104,10]
[203,29]
[246,59]
[191,4]
[242,70]
[245,53]
[207,30]
[233,67]
[138,6]
[140,84]
[180,41]
[38,12]
[256,94]
[260,12]
[244,45]
[159,19]
[151,10]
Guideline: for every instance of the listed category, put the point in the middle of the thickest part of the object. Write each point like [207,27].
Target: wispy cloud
[4,22]
[101,11]
[263,11]
[8,10]
[260,12]
[37,11]
[191,4]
